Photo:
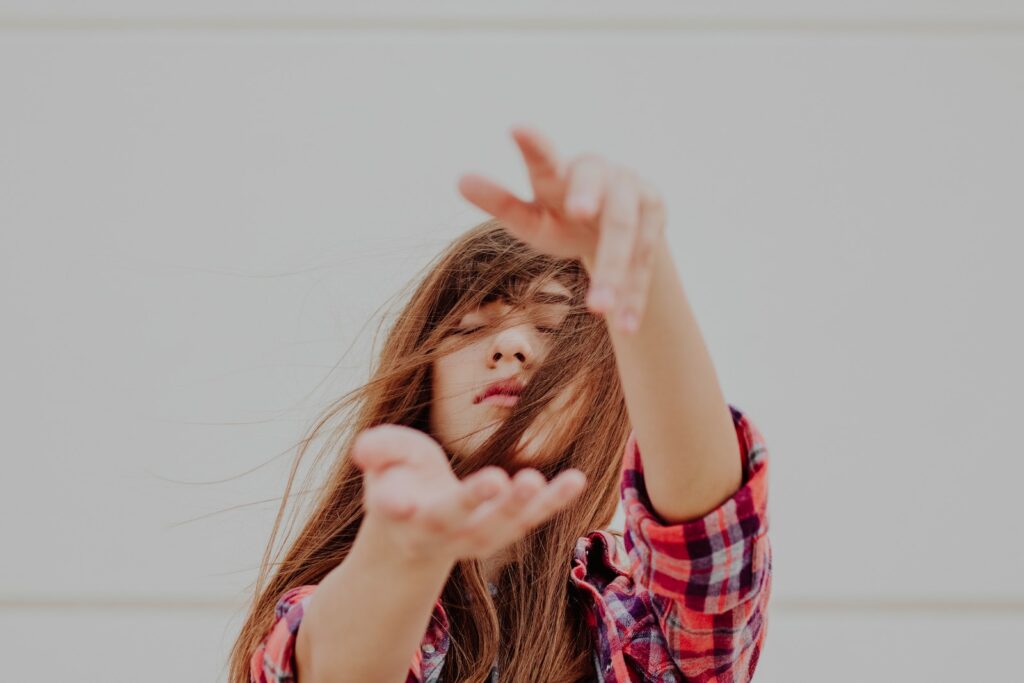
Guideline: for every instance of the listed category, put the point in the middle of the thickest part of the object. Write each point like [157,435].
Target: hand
[587,208]
[430,514]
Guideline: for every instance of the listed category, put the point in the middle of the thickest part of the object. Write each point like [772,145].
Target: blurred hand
[587,208]
[430,514]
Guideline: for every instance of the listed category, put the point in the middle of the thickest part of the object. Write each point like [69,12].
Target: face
[514,345]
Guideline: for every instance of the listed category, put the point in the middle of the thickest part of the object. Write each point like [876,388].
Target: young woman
[462,531]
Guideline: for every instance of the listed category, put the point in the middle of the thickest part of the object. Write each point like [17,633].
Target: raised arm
[705,555]
[613,221]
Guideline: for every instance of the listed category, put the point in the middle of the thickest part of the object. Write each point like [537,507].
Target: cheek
[442,376]
[451,376]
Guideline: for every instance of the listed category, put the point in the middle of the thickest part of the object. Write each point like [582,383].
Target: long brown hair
[536,624]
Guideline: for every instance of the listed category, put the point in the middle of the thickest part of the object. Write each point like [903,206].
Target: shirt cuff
[710,564]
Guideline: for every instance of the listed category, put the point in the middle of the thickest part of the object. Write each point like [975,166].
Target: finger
[391,503]
[484,484]
[477,488]
[383,446]
[523,218]
[618,228]
[586,187]
[498,512]
[390,493]
[637,286]
[527,482]
[559,492]
[542,164]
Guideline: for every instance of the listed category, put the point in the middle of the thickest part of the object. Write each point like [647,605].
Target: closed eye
[471,330]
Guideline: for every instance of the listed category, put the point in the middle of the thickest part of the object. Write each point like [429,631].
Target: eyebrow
[544,297]
[541,297]
[551,298]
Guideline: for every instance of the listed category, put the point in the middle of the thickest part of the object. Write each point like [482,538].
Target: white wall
[203,203]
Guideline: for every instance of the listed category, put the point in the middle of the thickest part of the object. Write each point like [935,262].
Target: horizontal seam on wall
[660,24]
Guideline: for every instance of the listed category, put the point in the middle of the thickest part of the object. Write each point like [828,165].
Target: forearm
[682,421]
[368,616]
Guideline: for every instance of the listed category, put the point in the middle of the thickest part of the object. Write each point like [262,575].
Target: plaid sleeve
[709,579]
[273,661]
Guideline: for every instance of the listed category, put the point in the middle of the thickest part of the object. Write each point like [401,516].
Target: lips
[509,387]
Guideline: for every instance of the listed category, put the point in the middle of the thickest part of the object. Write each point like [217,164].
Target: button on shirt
[668,602]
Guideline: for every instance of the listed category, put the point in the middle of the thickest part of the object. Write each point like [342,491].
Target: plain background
[202,205]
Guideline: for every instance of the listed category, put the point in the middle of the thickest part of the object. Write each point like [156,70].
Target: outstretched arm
[696,502]
[681,419]
[614,222]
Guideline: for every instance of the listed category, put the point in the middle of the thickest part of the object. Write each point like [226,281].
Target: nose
[512,343]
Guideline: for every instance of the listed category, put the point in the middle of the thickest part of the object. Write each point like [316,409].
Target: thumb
[378,448]
[383,446]
[520,217]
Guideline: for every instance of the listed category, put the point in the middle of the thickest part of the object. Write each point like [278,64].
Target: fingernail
[629,321]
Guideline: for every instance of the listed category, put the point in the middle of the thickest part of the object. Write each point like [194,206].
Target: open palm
[430,513]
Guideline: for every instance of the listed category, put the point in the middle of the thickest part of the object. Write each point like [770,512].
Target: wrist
[380,538]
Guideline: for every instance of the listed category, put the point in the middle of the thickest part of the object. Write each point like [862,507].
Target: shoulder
[293,602]
[274,657]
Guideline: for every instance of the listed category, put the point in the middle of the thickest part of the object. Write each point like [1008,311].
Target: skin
[614,221]
[515,349]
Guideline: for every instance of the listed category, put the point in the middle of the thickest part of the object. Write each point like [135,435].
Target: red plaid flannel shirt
[688,603]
